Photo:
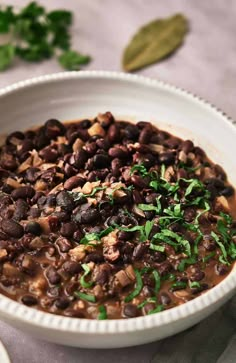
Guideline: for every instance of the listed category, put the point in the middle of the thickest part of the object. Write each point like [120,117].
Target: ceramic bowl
[75,95]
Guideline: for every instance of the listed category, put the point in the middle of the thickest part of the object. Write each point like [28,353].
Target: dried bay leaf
[155,41]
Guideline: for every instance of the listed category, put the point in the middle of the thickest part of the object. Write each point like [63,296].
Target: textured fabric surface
[204,65]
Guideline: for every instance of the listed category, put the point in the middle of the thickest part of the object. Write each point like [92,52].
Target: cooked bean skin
[107,215]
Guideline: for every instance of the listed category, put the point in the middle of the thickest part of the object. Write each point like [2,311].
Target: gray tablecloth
[205,65]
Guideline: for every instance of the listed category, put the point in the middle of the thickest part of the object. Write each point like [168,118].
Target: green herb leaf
[72,60]
[140,168]
[154,42]
[157,309]
[232,250]
[7,53]
[208,257]
[186,261]
[138,287]
[82,279]
[223,257]
[95,236]
[145,302]
[157,248]
[194,184]
[6,19]
[102,313]
[157,281]
[86,297]
[179,285]
[194,284]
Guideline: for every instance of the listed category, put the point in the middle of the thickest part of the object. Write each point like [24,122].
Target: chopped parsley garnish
[85,297]
[157,309]
[145,302]
[179,285]
[194,284]
[36,35]
[208,257]
[138,287]
[186,261]
[95,236]
[157,281]
[87,271]
[144,230]
[140,168]
[79,195]
[223,258]
[102,313]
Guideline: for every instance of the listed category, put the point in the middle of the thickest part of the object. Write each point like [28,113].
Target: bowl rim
[12,309]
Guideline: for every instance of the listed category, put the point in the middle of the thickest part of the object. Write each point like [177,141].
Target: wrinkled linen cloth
[204,65]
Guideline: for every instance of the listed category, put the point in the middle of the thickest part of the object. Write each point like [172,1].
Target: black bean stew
[107,219]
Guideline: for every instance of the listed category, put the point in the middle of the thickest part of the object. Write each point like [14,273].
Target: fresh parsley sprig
[36,35]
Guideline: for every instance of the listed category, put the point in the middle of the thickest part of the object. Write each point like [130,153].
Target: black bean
[124,236]
[167,158]
[32,174]
[130,311]
[12,228]
[197,276]
[74,182]
[72,267]
[101,161]
[26,145]
[187,146]
[209,243]
[103,144]
[164,268]
[64,244]
[189,214]
[116,164]
[53,276]
[148,291]
[228,191]
[114,133]
[23,192]
[49,154]
[102,276]
[65,200]
[68,229]
[14,136]
[62,303]
[97,175]
[87,216]
[158,256]
[172,143]
[21,210]
[91,148]
[29,300]
[221,269]
[118,152]
[54,128]
[69,170]
[145,135]
[165,298]
[78,159]
[131,132]
[33,228]
[139,182]
[113,220]
[94,257]
[51,200]
[139,251]
[8,162]
[41,139]
[77,235]
[34,212]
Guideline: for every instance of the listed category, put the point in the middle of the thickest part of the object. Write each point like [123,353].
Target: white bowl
[69,96]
